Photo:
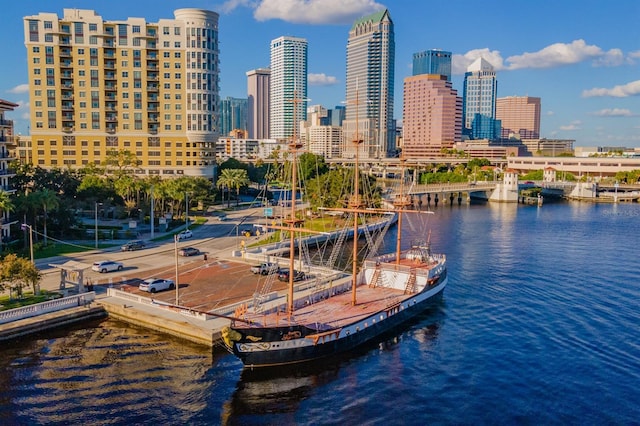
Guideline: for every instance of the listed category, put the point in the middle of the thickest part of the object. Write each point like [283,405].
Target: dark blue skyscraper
[432,61]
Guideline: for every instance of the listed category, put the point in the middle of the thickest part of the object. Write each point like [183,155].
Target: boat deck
[334,312]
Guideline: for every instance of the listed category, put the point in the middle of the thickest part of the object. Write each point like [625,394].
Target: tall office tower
[337,115]
[479,101]
[433,61]
[432,116]
[233,115]
[288,85]
[258,104]
[148,88]
[519,117]
[6,139]
[369,94]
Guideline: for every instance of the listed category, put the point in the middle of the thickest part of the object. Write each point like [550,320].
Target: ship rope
[259,296]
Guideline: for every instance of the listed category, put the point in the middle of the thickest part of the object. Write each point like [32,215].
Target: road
[215,238]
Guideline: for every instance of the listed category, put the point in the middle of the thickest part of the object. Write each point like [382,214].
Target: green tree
[17,273]
[233,178]
[121,162]
[48,200]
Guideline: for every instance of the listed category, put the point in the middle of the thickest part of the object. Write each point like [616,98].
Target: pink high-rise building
[520,116]
[432,116]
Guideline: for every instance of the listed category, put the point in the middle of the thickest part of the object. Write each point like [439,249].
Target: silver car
[153,285]
[107,266]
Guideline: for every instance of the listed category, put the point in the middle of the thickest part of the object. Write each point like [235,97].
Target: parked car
[133,245]
[153,285]
[265,268]
[189,251]
[185,234]
[297,275]
[107,266]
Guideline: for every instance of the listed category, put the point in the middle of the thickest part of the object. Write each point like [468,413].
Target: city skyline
[586,75]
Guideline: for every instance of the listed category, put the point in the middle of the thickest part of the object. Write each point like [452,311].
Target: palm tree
[48,200]
[6,206]
[233,178]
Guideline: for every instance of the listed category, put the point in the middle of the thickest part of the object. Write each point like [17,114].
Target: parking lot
[206,285]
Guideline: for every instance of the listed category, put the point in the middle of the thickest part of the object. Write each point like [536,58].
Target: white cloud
[321,80]
[612,58]
[555,55]
[575,125]
[614,112]
[312,11]
[20,88]
[620,91]
[460,63]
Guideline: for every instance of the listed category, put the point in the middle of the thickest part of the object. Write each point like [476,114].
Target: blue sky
[581,57]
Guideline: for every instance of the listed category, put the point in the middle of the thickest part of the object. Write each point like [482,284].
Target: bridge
[503,191]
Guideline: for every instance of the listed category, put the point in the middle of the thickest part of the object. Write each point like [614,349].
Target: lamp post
[23,227]
[95,222]
[186,208]
[175,245]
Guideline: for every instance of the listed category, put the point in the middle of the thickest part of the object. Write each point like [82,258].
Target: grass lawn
[27,299]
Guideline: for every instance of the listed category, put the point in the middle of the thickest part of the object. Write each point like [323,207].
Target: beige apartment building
[520,117]
[151,88]
[431,116]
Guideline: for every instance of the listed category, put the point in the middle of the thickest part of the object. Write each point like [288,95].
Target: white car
[153,285]
[185,234]
[107,266]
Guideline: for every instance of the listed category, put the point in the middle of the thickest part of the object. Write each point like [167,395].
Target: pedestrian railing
[46,307]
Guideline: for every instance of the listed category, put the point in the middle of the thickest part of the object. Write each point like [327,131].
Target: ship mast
[293,222]
[400,203]
[355,204]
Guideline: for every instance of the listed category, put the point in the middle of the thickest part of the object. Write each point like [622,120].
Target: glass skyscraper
[233,115]
[479,101]
[432,61]
[370,80]
[288,82]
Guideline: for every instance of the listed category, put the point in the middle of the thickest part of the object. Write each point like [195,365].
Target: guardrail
[46,307]
[202,316]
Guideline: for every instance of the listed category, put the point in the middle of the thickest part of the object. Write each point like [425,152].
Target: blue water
[539,325]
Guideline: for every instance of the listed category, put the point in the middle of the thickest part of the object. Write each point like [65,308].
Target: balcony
[67,106]
[109,65]
[111,130]
[65,53]
[152,88]
[111,118]
[110,75]
[67,129]
[66,64]
[110,87]
[153,130]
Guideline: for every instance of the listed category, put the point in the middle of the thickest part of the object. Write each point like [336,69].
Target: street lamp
[186,202]
[24,226]
[96,222]
[175,245]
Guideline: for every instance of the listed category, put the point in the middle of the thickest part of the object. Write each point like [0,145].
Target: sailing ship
[381,293]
